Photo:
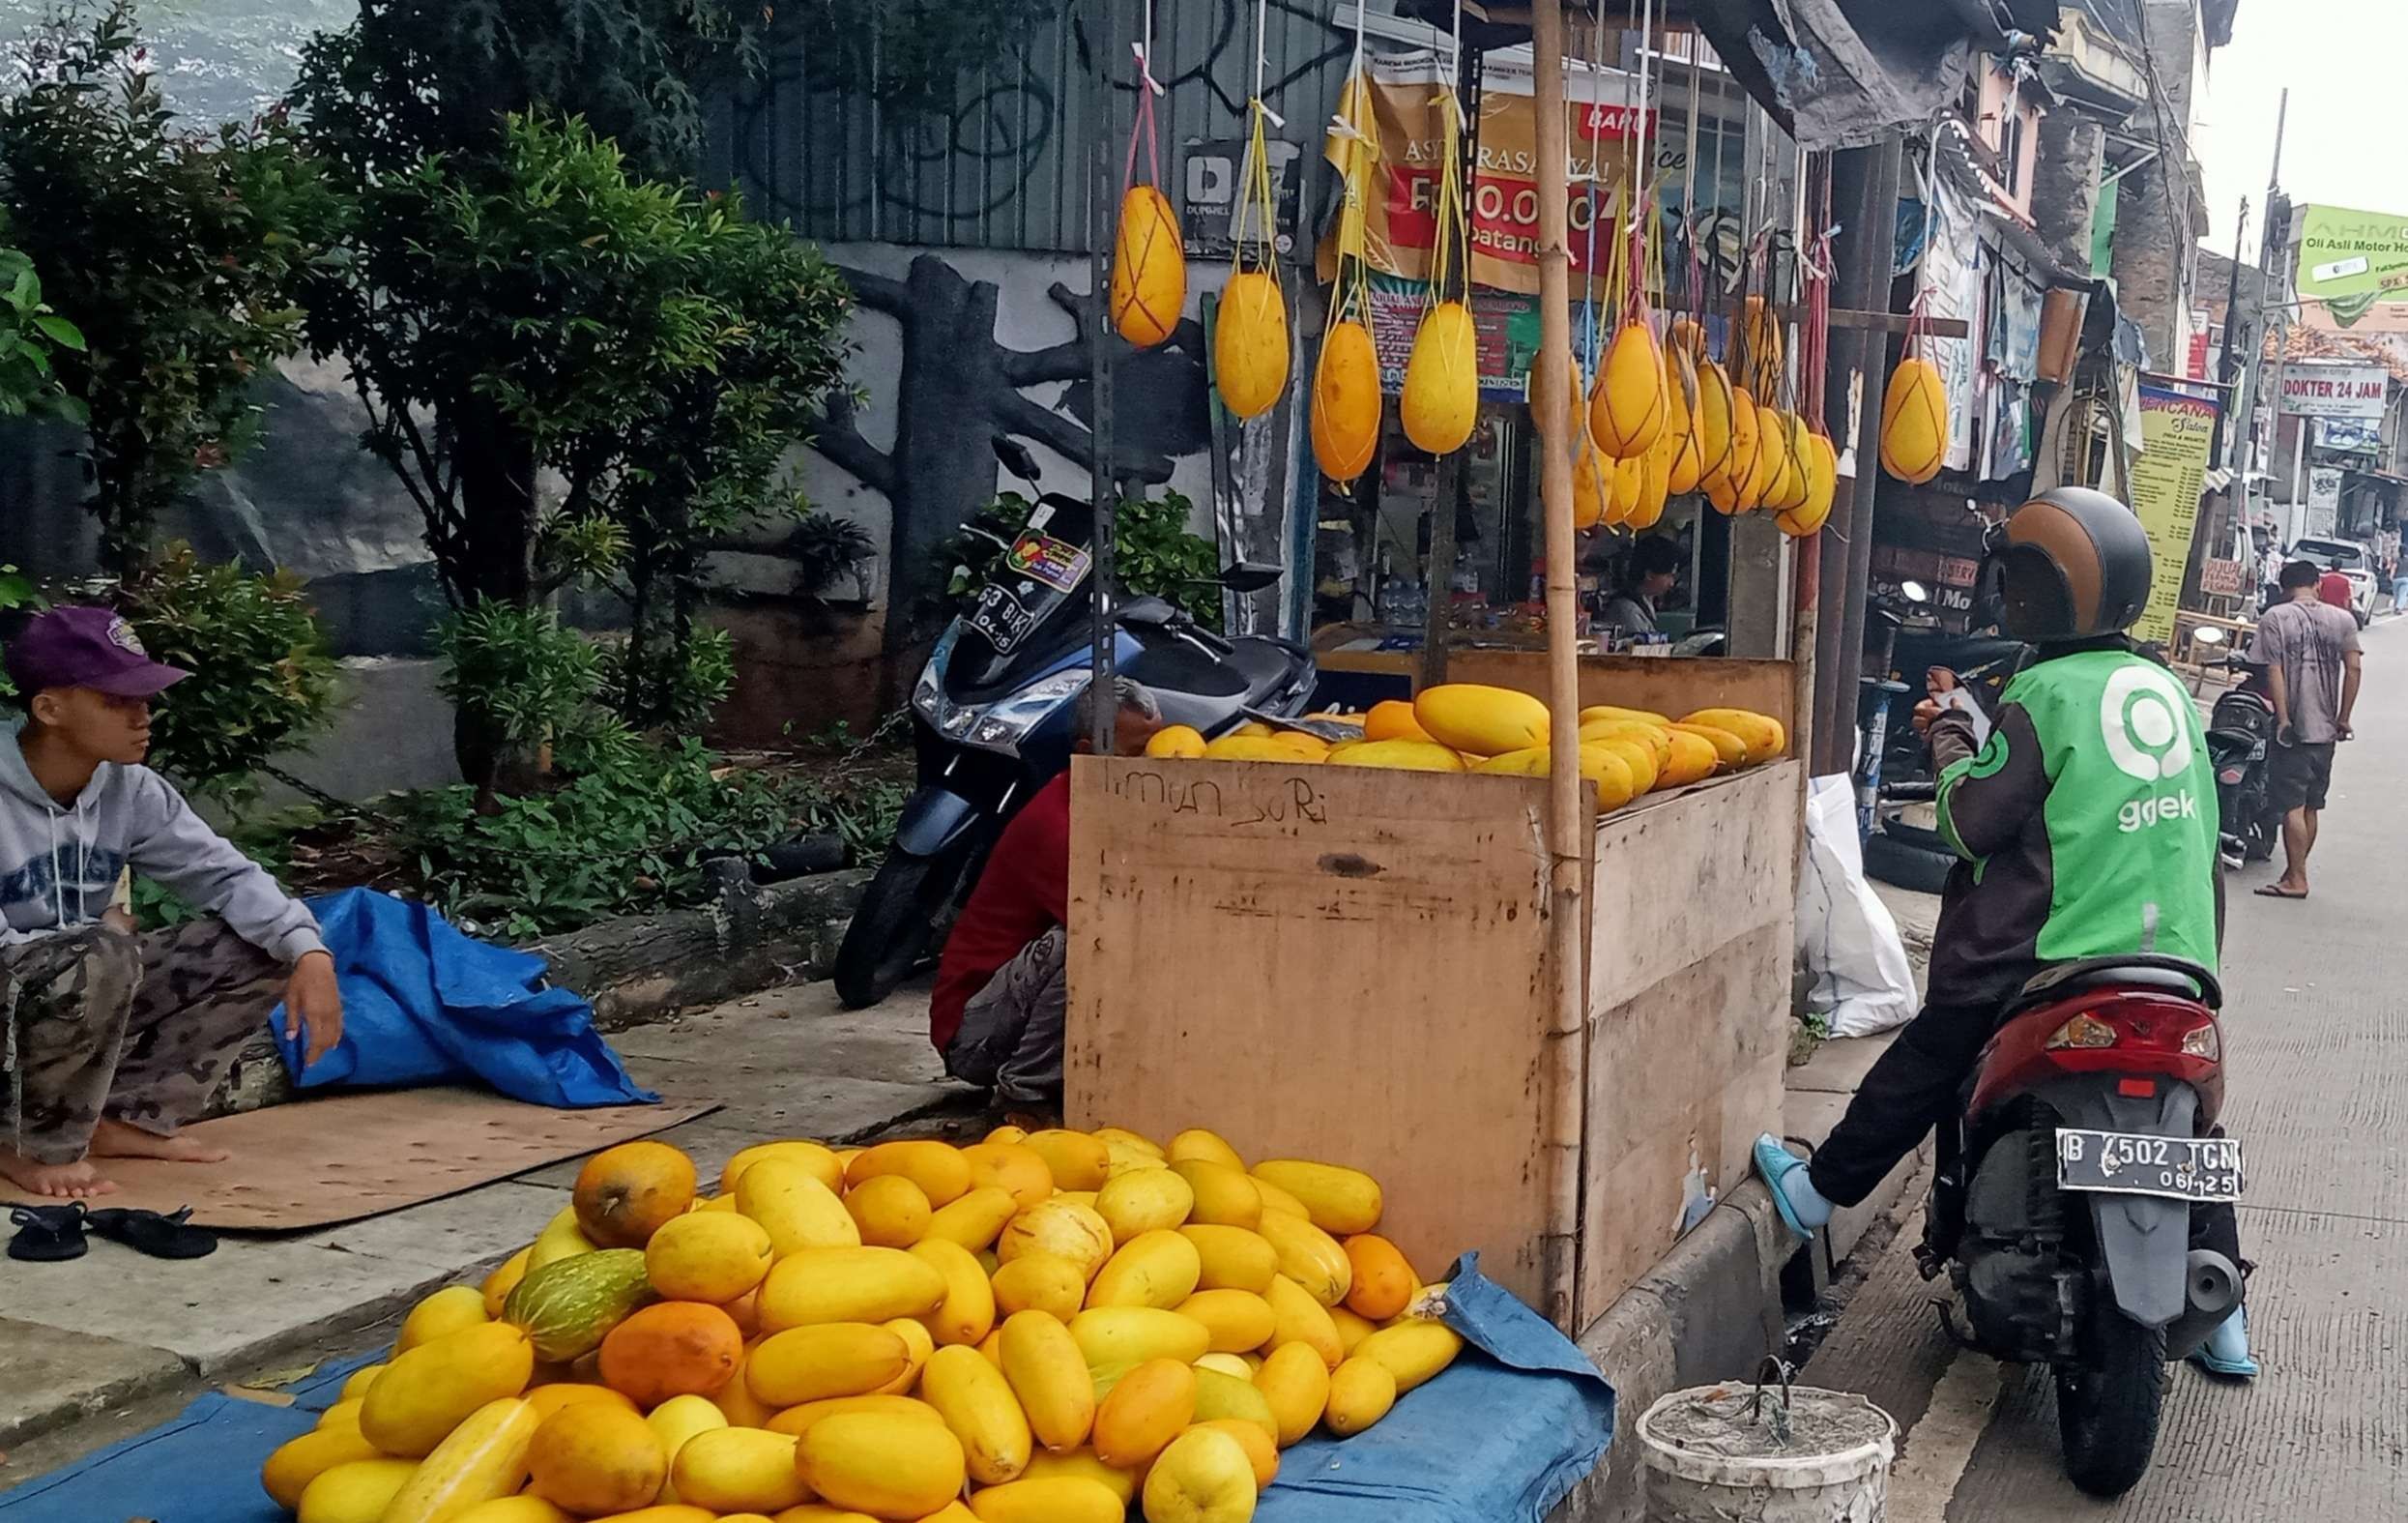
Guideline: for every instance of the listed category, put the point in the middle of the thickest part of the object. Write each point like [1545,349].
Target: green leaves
[168,260]
[629,830]
[261,683]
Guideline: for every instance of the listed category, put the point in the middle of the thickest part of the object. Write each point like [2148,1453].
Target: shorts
[2298,776]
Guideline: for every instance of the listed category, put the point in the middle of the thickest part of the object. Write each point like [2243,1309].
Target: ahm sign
[2334,390]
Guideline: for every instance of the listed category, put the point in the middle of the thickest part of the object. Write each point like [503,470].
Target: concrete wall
[2155,260]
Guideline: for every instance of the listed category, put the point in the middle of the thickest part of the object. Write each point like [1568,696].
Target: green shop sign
[2350,260]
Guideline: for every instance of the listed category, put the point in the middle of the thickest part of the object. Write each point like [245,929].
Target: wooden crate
[1352,965]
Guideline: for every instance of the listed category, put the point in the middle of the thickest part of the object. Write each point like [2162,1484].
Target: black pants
[1909,1090]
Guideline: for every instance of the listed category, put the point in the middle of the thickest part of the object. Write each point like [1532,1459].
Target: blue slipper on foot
[1775,1163]
[2226,1351]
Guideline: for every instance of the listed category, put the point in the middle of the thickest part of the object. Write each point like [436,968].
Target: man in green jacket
[2087,825]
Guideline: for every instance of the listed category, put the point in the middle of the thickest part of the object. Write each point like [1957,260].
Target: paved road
[2316,1027]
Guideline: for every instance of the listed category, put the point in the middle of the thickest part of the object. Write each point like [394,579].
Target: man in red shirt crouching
[997,1013]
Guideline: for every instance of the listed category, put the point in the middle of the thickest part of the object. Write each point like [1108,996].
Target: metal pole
[2229,360]
[2245,405]
[1569,831]
[1103,223]
[1878,213]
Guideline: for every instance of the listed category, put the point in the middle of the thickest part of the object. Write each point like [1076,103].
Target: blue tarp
[425,1003]
[200,1467]
[1501,1437]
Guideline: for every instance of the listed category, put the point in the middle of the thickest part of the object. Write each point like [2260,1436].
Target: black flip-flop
[161,1237]
[2276,891]
[48,1234]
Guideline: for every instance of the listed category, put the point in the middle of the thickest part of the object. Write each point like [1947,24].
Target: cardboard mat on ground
[320,1162]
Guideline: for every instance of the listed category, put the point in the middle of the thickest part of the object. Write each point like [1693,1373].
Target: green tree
[173,253]
[556,317]
[30,333]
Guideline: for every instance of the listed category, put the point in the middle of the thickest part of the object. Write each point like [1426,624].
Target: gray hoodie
[59,865]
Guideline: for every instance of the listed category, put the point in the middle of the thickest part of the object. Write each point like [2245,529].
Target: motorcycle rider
[2086,826]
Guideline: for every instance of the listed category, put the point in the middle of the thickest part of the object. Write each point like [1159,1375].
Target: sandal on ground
[48,1234]
[2276,891]
[161,1237]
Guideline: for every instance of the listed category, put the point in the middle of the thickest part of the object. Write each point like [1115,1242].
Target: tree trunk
[497,485]
[945,462]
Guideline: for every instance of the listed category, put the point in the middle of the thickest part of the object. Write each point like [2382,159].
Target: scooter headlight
[1004,725]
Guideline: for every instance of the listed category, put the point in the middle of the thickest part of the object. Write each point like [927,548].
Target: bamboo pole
[1567,828]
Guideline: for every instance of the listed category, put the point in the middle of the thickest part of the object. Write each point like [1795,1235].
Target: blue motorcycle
[992,716]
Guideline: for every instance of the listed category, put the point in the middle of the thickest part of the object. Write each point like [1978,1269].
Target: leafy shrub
[174,253]
[515,671]
[685,680]
[30,332]
[630,834]
[261,682]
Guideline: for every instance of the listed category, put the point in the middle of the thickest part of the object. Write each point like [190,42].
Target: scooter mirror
[1247,577]
[1914,592]
[1015,458]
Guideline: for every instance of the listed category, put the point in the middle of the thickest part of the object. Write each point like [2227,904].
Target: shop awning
[1835,73]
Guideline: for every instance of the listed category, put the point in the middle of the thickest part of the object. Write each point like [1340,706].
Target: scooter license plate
[2130,1163]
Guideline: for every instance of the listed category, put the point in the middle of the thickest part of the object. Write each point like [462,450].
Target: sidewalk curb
[1709,1310]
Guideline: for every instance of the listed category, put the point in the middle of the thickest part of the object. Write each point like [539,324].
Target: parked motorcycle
[2081,1207]
[2240,741]
[992,711]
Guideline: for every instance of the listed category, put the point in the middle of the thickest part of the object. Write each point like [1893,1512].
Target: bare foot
[114,1139]
[77,1181]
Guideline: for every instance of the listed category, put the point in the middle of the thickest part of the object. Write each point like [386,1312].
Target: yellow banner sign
[2176,430]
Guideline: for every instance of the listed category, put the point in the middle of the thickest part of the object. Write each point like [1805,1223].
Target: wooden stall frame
[1233,922]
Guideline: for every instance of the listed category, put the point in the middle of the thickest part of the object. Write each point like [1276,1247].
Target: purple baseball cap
[85,648]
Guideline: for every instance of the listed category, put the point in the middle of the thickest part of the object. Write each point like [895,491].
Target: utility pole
[2228,364]
[2271,237]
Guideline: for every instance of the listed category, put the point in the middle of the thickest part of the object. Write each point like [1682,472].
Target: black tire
[1907,865]
[2107,1408]
[894,928]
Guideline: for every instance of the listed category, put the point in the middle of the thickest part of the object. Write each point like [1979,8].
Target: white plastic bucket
[1732,1453]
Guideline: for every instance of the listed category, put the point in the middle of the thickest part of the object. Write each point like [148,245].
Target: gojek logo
[2146,738]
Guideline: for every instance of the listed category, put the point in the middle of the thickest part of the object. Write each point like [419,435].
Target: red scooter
[2082,1205]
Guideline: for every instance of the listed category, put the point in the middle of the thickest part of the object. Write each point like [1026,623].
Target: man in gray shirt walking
[2311,656]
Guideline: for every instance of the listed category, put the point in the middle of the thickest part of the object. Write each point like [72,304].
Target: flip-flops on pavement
[161,1237]
[48,1234]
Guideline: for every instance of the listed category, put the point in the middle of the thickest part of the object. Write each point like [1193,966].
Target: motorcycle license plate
[2128,1164]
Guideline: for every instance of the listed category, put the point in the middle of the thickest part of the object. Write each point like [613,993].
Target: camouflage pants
[141,1029]
[1011,1036]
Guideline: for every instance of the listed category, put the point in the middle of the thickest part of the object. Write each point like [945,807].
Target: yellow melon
[1345,402]
[1250,344]
[1148,270]
[1442,397]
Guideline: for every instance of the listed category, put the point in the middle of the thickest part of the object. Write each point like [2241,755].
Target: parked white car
[2353,561]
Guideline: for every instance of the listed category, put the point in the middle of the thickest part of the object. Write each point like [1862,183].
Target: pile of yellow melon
[1468,727]
[1040,1328]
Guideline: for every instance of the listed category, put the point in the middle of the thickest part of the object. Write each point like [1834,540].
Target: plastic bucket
[1736,1454]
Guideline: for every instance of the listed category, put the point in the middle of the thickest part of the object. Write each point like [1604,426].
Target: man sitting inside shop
[997,1013]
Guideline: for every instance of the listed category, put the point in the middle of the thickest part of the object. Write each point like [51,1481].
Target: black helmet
[2075,565]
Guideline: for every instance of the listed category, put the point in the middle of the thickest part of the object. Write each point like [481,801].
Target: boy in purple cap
[113,1039]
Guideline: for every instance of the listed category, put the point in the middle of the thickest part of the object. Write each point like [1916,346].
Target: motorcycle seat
[1263,665]
[2139,971]
[1175,667]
